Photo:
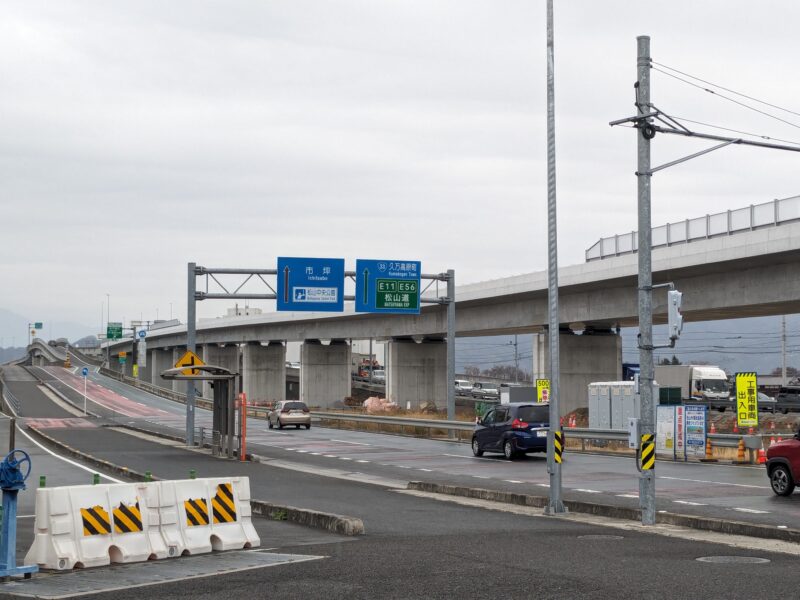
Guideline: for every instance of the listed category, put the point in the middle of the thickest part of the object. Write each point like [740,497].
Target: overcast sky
[137,136]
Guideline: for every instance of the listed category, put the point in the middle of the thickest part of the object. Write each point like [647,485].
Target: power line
[758,135]
[726,89]
[742,104]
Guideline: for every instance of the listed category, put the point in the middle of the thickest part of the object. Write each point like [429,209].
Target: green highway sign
[396,293]
[114,331]
[37,325]
[122,360]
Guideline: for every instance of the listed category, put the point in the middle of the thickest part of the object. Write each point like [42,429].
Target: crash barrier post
[95,525]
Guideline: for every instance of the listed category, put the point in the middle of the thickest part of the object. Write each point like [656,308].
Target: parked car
[289,412]
[788,399]
[766,403]
[783,465]
[512,429]
[463,387]
[485,391]
[379,376]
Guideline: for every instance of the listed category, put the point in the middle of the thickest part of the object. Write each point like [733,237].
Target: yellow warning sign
[543,390]
[127,518]
[648,452]
[135,370]
[189,359]
[223,505]
[95,521]
[747,399]
[196,512]
[558,445]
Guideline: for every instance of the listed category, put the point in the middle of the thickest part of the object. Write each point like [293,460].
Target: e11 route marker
[388,286]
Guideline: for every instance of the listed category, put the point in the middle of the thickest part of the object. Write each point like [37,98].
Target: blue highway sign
[142,333]
[388,286]
[312,284]
[84,371]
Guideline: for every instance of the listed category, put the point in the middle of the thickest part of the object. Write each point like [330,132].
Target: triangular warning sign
[187,360]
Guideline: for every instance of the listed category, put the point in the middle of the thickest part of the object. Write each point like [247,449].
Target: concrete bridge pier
[161,361]
[416,373]
[225,356]
[595,355]
[325,376]
[177,385]
[264,371]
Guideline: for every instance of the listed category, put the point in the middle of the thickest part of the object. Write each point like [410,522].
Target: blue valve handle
[15,464]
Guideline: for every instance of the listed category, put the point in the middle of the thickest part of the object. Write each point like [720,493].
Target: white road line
[467,457]
[344,458]
[66,460]
[744,485]
[346,442]
[587,491]
[403,467]
[290,449]
[480,477]
[547,485]
[302,451]
[752,511]
[689,502]
[426,470]
[627,495]
[363,461]
[331,456]
[316,453]
[512,481]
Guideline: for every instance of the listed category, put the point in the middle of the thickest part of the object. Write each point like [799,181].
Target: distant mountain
[9,354]
[14,329]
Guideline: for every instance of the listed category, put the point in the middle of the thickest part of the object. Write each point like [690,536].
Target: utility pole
[647,481]
[783,350]
[555,504]
[191,346]
[516,360]
[108,320]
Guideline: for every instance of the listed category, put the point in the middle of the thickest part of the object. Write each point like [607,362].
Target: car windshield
[534,414]
[715,385]
[295,405]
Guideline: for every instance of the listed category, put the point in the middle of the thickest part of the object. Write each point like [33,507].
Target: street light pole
[108,320]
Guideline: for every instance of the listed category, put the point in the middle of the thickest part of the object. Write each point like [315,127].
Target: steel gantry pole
[191,345]
[451,345]
[647,481]
[555,505]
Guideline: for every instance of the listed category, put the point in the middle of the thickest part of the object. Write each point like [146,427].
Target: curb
[340,524]
[615,512]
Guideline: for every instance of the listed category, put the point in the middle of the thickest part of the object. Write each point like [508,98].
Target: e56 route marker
[189,359]
[388,286]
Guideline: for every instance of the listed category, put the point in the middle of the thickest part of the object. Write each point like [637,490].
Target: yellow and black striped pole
[558,445]
[648,452]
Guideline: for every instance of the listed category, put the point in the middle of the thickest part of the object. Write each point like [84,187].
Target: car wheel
[269,423]
[297,426]
[781,480]
[308,426]
[476,447]
[508,450]
[280,423]
[786,411]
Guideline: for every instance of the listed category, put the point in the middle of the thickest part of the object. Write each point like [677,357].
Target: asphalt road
[739,493]
[417,547]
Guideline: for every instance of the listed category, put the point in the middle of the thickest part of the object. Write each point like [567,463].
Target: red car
[783,465]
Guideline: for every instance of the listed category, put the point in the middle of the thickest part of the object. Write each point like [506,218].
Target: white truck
[700,384]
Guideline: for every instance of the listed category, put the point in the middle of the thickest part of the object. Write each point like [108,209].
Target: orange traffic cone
[740,453]
[709,453]
[713,428]
[750,431]
[735,427]
[780,439]
[572,422]
[762,456]
[772,441]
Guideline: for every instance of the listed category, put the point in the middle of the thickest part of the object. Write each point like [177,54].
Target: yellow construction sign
[543,390]
[746,400]
[189,359]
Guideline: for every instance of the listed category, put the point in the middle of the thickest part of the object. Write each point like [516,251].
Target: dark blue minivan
[515,428]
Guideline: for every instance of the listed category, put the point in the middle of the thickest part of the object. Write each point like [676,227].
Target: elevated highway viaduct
[752,273]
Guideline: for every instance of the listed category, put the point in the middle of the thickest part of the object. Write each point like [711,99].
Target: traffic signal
[674,316]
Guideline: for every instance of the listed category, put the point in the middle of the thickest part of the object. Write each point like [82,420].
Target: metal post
[451,345]
[647,482]
[555,504]
[370,359]
[191,345]
[783,350]
[516,360]
[12,434]
[84,396]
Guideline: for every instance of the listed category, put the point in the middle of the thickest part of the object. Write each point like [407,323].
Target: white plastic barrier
[94,525]
[213,513]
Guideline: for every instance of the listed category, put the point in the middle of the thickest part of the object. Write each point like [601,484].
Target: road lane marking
[426,470]
[689,502]
[480,477]
[586,491]
[512,481]
[316,453]
[627,495]
[346,442]
[302,451]
[547,485]
[344,458]
[403,467]
[362,461]
[331,456]
[744,485]
[752,511]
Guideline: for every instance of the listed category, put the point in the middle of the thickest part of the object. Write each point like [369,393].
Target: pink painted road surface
[103,396]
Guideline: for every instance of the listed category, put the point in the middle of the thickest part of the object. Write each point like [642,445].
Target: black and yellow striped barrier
[648,452]
[196,512]
[95,521]
[223,505]
[127,518]
[558,445]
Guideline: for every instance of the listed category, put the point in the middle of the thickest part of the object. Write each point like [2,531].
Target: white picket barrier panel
[94,525]
[213,513]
